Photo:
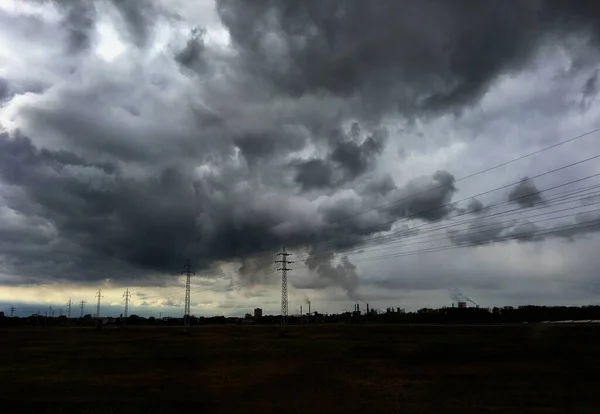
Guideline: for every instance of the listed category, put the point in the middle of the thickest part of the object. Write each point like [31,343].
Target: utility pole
[69,303]
[99,296]
[186,313]
[82,304]
[284,294]
[12,311]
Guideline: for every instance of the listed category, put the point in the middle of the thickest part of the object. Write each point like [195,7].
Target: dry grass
[318,369]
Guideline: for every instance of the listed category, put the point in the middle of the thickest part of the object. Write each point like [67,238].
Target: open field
[317,369]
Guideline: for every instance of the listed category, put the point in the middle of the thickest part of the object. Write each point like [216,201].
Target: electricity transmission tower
[82,305]
[69,303]
[12,311]
[284,295]
[126,295]
[99,296]
[186,313]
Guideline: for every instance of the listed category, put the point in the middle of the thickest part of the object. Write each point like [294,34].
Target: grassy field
[317,369]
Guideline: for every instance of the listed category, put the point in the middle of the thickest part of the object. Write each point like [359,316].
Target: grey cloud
[355,158]
[525,232]
[475,206]
[525,194]
[412,54]
[4,89]
[343,274]
[589,90]
[313,174]
[192,55]
[480,231]
[350,157]
[80,22]
[139,18]
[428,197]
[583,224]
[188,154]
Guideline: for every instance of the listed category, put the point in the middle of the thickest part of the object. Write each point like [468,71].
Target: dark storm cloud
[139,17]
[80,18]
[589,90]
[354,157]
[480,231]
[191,56]
[4,90]
[526,194]
[95,213]
[343,274]
[402,55]
[350,156]
[314,174]
[80,22]
[302,70]
[428,197]
[524,232]
[475,206]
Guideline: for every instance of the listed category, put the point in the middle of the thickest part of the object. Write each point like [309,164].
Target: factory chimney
[300,309]
[367,308]
[309,307]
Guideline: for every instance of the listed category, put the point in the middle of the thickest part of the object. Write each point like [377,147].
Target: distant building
[462,305]
[257,313]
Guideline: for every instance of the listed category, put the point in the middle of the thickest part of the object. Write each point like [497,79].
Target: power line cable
[361,242]
[570,227]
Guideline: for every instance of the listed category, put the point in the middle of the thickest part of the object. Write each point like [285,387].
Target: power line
[559,229]
[497,224]
[284,293]
[405,218]
[391,238]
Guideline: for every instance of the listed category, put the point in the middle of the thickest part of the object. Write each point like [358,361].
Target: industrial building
[257,313]
[462,305]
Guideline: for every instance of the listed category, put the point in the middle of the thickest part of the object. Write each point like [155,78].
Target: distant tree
[248,316]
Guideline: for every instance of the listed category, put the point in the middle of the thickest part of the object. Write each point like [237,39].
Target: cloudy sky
[137,134]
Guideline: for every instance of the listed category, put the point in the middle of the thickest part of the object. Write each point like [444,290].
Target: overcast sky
[137,134]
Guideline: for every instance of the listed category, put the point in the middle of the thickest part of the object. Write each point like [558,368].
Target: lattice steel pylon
[186,313]
[284,294]
[126,296]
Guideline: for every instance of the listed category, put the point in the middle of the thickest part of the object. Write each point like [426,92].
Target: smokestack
[309,307]
[300,309]
[358,307]
[367,308]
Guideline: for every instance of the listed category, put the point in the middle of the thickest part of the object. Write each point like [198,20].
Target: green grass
[316,369]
